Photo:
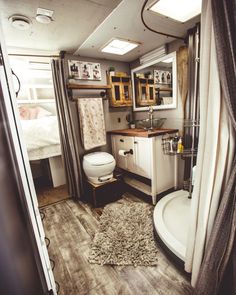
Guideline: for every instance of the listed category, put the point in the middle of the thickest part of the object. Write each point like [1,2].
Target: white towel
[92,123]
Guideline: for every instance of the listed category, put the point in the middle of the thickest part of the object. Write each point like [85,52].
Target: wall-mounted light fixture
[152,55]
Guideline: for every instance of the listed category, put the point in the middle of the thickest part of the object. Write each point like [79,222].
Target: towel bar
[103,94]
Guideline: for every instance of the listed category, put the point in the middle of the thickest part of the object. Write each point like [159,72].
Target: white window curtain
[215,150]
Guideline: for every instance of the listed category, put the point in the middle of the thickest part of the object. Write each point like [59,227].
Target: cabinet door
[126,91]
[126,94]
[151,94]
[142,154]
[116,97]
[116,94]
[125,143]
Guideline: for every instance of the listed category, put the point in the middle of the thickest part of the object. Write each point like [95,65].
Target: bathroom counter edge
[141,132]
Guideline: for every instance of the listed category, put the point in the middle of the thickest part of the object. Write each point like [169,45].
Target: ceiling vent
[20,22]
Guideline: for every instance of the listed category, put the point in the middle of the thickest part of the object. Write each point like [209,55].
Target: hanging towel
[92,123]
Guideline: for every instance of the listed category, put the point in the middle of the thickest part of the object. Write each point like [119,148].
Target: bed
[41,135]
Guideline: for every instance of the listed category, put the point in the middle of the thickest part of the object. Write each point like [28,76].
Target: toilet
[99,167]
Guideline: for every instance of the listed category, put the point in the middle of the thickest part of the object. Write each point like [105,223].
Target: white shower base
[171,221]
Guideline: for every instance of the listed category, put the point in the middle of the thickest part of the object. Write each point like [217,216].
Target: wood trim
[163,89]
[139,132]
[85,86]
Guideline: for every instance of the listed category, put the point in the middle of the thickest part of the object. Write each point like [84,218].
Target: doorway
[32,77]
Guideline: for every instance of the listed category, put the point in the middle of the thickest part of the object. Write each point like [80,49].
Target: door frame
[20,150]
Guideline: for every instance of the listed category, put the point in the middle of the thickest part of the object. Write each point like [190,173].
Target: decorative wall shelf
[86,86]
[103,94]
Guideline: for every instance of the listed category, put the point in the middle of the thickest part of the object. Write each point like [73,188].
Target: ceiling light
[44,16]
[180,10]
[20,22]
[119,46]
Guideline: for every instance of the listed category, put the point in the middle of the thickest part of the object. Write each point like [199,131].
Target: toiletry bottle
[180,148]
[171,146]
[175,143]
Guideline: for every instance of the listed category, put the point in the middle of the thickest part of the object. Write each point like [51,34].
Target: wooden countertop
[142,133]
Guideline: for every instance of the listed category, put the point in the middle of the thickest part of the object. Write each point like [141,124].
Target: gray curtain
[69,141]
[218,270]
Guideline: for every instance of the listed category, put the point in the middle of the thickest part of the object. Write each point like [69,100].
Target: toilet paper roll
[122,153]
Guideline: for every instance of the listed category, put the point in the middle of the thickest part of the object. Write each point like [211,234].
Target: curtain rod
[154,31]
[34,55]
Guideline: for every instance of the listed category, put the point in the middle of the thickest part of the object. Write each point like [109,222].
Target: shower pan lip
[174,241]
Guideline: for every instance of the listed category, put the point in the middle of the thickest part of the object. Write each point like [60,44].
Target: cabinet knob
[121,140]
[135,142]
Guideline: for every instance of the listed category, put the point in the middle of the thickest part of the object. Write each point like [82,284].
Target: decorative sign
[83,70]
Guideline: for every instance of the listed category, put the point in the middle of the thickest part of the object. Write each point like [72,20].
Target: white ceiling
[125,22]
[74,21]
[84,26]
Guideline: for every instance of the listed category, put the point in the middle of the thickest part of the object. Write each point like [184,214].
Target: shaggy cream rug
[125,236]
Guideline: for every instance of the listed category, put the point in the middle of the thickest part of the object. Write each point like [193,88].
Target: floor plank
[71,226]
[48,195]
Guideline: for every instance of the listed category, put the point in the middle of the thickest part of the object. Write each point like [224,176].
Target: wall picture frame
[83,70]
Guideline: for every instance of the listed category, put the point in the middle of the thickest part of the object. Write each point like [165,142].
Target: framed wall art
[83,70]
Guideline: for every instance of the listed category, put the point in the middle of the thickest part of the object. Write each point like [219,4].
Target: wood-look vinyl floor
[47,195]
[71,226]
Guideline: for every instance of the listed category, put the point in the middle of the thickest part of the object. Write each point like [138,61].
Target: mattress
[41,137]
[45,152]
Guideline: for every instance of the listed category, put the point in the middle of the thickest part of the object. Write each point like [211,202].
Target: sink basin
[146,123]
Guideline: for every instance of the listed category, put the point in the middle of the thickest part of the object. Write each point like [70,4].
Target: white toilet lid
[99,158]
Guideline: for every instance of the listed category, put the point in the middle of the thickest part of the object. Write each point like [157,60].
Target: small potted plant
[130,120]
[112,71]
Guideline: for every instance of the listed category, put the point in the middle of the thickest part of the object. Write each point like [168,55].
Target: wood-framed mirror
[155,84]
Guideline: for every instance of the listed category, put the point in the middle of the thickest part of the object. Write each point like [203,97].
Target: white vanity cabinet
[142,157]
[146,159]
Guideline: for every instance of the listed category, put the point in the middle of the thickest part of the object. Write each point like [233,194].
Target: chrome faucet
[150,115]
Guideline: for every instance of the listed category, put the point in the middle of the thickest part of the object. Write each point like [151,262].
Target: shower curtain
[69,141]
[218,270]
[215,150]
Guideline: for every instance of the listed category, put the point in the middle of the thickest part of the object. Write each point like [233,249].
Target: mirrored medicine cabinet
[155,84]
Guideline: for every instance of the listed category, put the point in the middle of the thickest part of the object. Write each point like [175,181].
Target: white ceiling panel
[125,22]
[74,21]
[85,26]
